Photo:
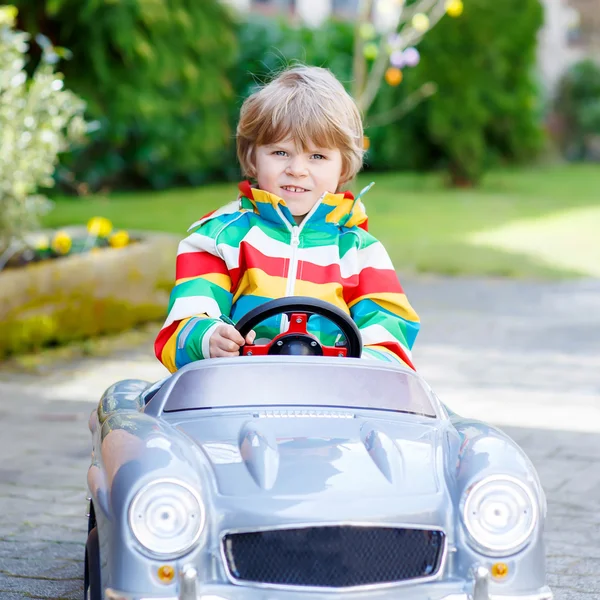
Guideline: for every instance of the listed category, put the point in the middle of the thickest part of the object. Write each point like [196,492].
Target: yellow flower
[8,15]
[99,227]
[454,8]
[420,22]
[119,239]
[61,242]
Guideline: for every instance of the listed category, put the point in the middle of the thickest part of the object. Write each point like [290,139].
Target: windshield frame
[360,379]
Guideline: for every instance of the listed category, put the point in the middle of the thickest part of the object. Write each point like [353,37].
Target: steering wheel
[296,340]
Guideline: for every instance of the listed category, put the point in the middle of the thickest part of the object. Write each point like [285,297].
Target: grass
[425,226]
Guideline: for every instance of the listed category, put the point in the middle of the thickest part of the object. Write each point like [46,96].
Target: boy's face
[299,177]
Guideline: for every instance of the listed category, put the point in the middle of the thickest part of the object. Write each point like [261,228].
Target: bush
[154,77]
[486,108]
[38,119]
[578,106]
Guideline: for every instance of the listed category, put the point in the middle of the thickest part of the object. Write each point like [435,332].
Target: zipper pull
[295,236]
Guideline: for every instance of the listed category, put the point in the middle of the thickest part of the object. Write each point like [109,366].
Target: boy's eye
[318,156]
[280,153]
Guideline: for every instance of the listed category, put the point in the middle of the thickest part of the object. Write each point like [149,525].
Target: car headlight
[167,517]
[500,514]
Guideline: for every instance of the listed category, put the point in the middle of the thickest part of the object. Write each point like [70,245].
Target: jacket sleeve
[202,293]
[379,306]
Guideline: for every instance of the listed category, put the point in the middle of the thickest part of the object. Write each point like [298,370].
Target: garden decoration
[385,37]
[38,120]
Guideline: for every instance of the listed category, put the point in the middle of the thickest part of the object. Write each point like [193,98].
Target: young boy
[292,233]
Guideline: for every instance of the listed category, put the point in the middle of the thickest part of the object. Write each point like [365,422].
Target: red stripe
[251,258]
[194,264]
[163,337]
[373,281]
[399,351]
[348,195]
[246,188]
[308,271]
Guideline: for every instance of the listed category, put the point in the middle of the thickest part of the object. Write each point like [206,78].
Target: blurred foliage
[486,108]
[154,75]
[165,80]
[38,120]
[578,106]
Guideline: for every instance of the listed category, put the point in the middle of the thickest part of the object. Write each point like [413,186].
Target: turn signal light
[166,573]
[499,570]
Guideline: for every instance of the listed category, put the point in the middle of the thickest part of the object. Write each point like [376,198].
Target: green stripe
[202,287]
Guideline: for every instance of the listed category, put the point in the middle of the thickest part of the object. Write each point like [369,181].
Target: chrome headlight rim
[133,526]
[506,549]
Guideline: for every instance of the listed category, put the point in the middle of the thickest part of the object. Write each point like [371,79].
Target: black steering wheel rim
[309,306]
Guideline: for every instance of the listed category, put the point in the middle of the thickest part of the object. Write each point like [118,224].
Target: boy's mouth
[294,189]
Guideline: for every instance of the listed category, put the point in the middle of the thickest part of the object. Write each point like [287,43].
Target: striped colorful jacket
[251,251]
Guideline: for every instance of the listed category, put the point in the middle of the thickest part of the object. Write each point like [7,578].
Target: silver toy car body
[299,477]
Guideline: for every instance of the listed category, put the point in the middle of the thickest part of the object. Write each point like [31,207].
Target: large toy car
[292,474]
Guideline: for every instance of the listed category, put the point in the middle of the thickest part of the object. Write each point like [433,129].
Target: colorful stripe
[239,256]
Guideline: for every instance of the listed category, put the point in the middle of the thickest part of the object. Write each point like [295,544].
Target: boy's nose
[297,168]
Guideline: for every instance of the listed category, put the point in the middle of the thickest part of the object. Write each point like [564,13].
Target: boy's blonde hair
[307,105]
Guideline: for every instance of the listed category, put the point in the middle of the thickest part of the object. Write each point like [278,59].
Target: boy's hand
[226,341]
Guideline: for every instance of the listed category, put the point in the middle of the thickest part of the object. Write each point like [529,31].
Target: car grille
[333,556]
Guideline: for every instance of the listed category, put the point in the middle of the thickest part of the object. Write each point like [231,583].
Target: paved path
[524,356]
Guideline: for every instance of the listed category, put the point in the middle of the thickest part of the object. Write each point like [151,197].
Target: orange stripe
[167,356]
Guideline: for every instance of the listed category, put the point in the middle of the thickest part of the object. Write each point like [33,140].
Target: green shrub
[486,108]
[38,120]
[578,106]
[154,77]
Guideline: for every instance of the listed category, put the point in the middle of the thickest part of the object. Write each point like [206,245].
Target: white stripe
[376,334]
[257,238]
[197,242]
[191,307]
[206,340]
[228,209]
[354,261]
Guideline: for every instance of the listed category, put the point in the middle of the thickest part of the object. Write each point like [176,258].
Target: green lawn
[497,229]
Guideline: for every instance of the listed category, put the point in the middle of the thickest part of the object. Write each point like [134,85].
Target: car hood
[297,455]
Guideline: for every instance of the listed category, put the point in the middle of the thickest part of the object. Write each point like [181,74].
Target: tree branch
[435,15]
[409,36]
[359,65]
[391,116]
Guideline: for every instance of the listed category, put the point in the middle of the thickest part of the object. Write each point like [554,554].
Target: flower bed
[84,292]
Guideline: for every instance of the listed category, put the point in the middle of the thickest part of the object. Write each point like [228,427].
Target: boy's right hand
[226,341]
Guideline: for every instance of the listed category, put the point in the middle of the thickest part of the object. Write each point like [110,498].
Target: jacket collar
[340,210]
